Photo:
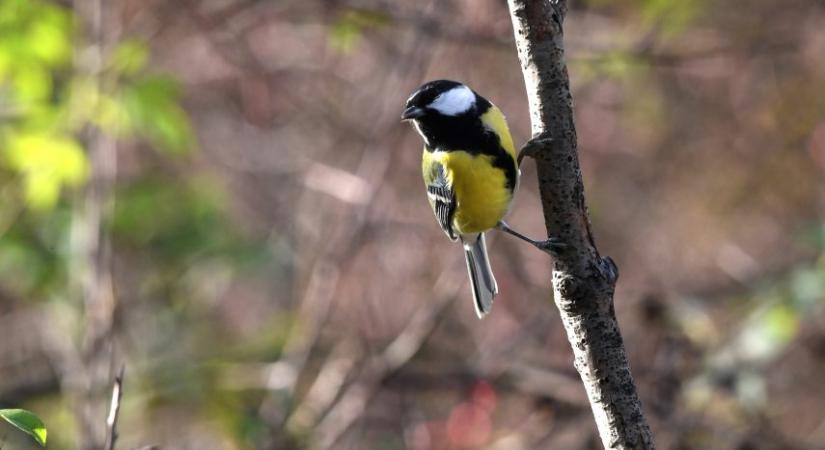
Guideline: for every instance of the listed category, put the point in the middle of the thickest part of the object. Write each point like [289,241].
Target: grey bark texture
[583,281]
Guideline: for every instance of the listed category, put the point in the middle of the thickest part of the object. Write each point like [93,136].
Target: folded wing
[442,199]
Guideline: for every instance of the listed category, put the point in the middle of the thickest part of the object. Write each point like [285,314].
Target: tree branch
[583,281]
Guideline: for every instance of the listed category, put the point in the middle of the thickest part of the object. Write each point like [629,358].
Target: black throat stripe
[466,132]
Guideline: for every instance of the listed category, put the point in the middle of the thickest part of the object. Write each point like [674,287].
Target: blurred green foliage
[671,17]
[34,52]
[151,110]
[347,29]
[772,316]
[175,228]
[33,252]
[175,223]
[50,98]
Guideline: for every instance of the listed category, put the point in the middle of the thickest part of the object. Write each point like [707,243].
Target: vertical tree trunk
[91,264]
[583,281]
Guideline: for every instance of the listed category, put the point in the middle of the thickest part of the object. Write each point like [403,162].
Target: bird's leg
[551,245]
[533,146]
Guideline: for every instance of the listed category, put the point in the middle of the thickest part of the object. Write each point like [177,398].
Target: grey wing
[442,198]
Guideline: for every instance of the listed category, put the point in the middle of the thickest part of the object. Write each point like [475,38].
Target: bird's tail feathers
[482,281]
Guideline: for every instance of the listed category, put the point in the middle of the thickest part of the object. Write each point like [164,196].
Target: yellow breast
[480,189]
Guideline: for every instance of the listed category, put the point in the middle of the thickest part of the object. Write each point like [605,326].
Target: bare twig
[353,401]
[583,281]
[114,410]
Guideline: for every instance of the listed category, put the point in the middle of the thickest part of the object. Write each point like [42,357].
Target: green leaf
[47,162]
[49,37]
[344,35]
[130,57]
[781,323]
[27,422]
[32,83]
[151,105]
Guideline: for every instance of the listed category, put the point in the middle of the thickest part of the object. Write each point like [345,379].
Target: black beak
[413,112]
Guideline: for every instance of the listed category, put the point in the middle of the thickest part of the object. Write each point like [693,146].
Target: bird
[470,170]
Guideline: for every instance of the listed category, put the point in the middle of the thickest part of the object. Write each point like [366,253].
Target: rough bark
[583,281]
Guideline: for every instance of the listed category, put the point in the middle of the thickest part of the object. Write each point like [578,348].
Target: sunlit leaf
[47,163]
[32,83]
[782,323]
[42,190]
[49,37]
[27,422]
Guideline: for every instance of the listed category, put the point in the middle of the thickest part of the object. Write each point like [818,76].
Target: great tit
[470,172]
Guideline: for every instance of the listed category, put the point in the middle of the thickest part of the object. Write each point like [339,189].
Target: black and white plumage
[442,199]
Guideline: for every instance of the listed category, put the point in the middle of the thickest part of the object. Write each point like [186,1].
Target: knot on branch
[569,290]
[608,270]
[579,291]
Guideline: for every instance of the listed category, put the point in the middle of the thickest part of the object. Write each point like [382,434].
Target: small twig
[354,400]
[114,410]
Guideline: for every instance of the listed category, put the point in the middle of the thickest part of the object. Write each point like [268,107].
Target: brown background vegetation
[284,285]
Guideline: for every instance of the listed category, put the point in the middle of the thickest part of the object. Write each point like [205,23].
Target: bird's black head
[439,98]
[447,114]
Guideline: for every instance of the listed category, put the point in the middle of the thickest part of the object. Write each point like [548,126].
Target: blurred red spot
[484,396]
[468,426]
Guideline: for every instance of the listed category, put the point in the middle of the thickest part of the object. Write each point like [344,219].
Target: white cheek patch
[455,101]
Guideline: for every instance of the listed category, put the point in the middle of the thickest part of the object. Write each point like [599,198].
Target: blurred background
[219,195]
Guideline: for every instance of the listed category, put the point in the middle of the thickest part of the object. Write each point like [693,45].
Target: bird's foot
[551,245]
[534,146]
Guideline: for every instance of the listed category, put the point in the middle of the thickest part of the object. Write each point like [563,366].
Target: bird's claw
[533,146]
[551,245]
